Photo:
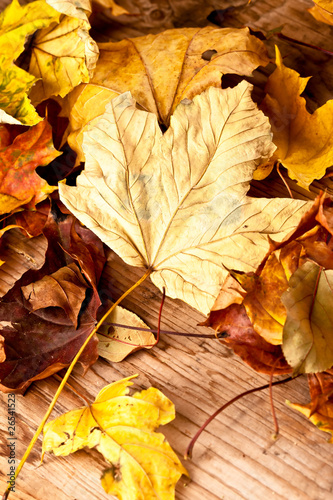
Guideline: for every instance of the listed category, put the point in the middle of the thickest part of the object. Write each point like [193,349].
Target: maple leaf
[176,204]
[323,11]
[20,184]
[116,342]
[320,410]
[16,23]
[161,70]
[121,427]
[64,55]
[41,340]
[304,141]
[307,333]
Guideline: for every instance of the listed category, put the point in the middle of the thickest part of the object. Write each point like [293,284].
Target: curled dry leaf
[41,342]
[115,342]
[177,204]
[66,288]
[320,410]
[16,23]
[62,57]
[122,428]
[19,182]
[307,333]
[161,70]
[304,141]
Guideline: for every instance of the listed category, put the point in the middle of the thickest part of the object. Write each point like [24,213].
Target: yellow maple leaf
[176,203]
[16,23]
[65,55]
[122,428]
[304,141]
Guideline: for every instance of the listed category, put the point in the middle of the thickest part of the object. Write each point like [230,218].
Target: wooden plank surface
[236,457]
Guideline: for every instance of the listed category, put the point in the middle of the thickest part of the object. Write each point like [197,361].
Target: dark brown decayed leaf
[41,342]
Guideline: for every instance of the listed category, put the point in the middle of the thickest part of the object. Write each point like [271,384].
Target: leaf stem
[67,374]
[188,453]
[167,332]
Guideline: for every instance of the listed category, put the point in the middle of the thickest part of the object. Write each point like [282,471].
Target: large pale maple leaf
[176,203]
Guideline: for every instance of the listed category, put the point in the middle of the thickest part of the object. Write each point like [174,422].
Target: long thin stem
[67,374]
[188,453]
[167,332]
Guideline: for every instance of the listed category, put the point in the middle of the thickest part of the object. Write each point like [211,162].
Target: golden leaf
[63,56]
[161,70]
[177,204]
[307,335]
[16,23]
[118,342]
[304,141]
[121,427]
[323,11]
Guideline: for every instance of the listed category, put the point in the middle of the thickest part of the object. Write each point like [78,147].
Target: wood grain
[236,457]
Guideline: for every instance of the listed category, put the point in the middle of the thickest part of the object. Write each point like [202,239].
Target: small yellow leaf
[121,427]
[16,23]
[304,141]
[85,102]
[62,57]
[116,343]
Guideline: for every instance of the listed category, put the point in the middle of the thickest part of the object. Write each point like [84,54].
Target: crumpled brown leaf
[41,342]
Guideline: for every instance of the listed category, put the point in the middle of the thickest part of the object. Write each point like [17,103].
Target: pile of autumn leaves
[173,203]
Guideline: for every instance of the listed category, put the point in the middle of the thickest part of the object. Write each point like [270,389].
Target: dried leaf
[162,70]
[20,184]
[83,104]
[115,342]
[323,11]
[65,288]
[19,254]
[41,342]
[307,334]
[263,299]
[121,427]
[16,23]
[176,203]
[80,9]
[304,141]
[62,56]
[320,410]
[236,331]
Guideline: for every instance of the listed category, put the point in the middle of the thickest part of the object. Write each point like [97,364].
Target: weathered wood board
[236,457]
